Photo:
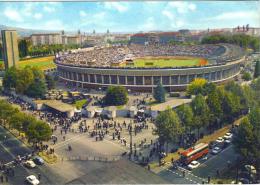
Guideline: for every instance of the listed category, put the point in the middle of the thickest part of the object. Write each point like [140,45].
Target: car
[29,164]
[215,150]
[220,140]
[228,135]
[38,160]
[193,165]
[31,179]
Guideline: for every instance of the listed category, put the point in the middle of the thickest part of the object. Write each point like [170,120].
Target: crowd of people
[111,56]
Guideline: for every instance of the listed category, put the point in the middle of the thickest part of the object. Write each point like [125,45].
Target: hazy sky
[129,16]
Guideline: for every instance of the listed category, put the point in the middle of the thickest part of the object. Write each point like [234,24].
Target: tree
[243,139]
[116,95]
[186,116]
[214,103]
[37,88]
[159,93]
[231,106]
[26,78]
[50,82]
[23,48]
[246,76]
[10,78]
[168,127]
[196,86]
[257,69]
[201,112]
[38,131]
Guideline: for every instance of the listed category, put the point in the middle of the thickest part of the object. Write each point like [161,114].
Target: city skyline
[129,16]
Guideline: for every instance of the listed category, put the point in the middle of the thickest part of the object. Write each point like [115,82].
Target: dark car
[38,160]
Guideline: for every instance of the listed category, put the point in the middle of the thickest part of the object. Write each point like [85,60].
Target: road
[10,147]
[207,168]
[216,162]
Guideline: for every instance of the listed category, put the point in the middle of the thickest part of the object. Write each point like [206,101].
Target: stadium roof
[59,106]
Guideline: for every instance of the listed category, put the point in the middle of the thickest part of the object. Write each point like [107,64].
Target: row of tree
[30,81]
[26,48]
[34,129]
[242,40]
[220,106]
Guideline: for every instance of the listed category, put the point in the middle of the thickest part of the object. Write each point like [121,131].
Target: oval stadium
[141,67]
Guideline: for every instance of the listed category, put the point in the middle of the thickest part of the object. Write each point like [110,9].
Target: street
[10,147]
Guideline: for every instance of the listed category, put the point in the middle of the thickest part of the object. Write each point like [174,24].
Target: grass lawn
[42,62]
[78,104]
[167,62]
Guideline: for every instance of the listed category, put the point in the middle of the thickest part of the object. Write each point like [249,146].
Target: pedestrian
[183,173]
[39,176]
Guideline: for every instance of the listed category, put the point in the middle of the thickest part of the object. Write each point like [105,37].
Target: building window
[79,77]
[175,80]
[166,80]
[183,79]
[99,79]
[74,76]
[92,78]
[85,78]
[191,78]
[106,79]
[122,80]
[218,75]
[130,80]
[156,80]
[148,80]
[213,76]
[206,76]
[139,80]
[113,79]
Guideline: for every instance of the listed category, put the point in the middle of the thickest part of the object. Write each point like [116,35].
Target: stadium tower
[10,48]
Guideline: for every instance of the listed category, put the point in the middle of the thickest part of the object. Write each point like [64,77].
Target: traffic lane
[10,147]
[216,162]
[21,172]
[176,177]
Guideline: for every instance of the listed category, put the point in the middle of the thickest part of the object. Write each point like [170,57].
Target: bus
[194,153]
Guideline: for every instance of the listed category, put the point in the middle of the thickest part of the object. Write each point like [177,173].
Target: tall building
[46,39]
[10,48]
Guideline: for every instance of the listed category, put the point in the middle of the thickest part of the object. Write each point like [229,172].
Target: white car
[29,164]
[193,165]
[228,135]
[216,150]
[227,141]
[32,180]
[220,140]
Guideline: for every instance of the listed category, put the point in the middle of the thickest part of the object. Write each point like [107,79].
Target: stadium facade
[146,79]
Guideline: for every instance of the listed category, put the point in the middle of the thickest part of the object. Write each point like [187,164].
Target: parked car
[216,150]
[29,164]
[31,179]
[212,144]
[193,165]
[228,135]
[220,140]
[38,160]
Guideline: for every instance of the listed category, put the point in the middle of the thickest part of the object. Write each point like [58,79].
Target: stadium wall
[144,79]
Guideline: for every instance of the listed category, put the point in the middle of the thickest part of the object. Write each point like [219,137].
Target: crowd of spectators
[109,56]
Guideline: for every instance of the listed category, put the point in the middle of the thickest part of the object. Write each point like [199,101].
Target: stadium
[141,67]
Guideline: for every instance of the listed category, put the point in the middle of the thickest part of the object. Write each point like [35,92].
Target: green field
[165,62]
[42,62]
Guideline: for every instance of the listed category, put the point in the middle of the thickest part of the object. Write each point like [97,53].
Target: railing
[91,158]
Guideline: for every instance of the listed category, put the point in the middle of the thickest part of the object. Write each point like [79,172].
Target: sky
[129,16]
